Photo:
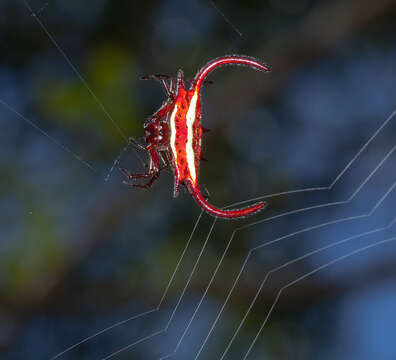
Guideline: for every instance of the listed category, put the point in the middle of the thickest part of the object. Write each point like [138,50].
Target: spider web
[188,324]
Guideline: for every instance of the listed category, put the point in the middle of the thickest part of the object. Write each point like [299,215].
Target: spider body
[173,135]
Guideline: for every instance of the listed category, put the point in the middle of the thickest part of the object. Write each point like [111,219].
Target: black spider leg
[152,175]
[136,144]
[132,176]
[146,186]
[163,79]
[164,156]
[170,88]
[125,171]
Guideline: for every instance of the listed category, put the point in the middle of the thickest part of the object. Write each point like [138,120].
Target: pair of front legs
[154,169]
[156,157]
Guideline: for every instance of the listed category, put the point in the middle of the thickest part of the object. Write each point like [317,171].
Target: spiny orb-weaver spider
[173,135]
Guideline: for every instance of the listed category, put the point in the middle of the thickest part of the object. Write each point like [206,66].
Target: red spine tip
[225,60]
[226,214]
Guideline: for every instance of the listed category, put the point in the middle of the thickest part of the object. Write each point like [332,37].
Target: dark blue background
[79,254]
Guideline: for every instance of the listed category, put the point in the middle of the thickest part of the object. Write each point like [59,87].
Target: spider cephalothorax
[173,135]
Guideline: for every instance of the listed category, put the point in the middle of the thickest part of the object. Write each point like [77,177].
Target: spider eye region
[156,133]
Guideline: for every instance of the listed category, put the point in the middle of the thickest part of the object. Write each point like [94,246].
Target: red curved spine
[227,214]
[198,81]
[225,60]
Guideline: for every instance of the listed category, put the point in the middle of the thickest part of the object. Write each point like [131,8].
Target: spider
[173,135]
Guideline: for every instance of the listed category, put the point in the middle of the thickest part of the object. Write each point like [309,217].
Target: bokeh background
[79,254]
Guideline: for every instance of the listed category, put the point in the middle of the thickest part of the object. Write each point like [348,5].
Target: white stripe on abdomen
[173,136]
[190,117]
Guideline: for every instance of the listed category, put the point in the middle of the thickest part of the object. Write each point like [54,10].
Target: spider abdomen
[185,136]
